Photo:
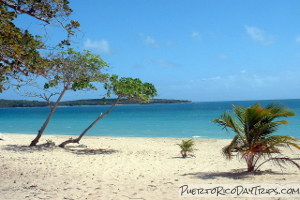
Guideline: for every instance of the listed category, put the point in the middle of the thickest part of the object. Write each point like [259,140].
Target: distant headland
[84,102]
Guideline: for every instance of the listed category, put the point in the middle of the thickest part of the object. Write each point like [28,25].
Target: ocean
[191,120]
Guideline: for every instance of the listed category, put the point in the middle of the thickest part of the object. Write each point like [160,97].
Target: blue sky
[193,49]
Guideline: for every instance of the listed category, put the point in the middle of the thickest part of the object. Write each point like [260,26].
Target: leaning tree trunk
[39,135]
[62,145]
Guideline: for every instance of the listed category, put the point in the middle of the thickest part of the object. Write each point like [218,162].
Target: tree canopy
[75,70]
[130,88]
[19,49]
[69,70]
[123,88]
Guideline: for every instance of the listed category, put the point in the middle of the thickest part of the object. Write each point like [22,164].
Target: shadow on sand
[24,148]
[78,150]
[180,157]
[234,174]
[88,151]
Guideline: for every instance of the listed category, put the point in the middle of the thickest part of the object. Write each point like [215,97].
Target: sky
[199,50]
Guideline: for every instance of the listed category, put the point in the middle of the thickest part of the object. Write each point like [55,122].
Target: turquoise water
[160,120]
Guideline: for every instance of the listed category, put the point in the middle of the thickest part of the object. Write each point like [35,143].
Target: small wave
[197,136]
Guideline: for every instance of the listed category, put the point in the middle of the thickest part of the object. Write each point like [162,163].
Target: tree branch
[30,12]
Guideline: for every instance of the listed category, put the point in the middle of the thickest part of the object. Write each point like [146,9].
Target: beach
[121,168]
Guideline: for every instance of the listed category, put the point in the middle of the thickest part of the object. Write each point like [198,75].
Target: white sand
[120,168]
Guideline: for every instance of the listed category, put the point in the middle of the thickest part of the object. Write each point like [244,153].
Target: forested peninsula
[86,102]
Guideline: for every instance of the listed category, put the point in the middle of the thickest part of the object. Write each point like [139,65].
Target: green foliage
[130,88]
[254,128]
[69,70]
[186,146]
[18,50]
[75,70]
[50,142]
[19,53]
[123,88]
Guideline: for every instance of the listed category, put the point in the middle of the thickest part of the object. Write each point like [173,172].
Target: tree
[254,139]
[19,49]
[70,71]
[123,88]
[186,146]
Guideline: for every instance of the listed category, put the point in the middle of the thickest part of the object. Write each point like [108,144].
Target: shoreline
[161,103]
[103,136]
[120,168]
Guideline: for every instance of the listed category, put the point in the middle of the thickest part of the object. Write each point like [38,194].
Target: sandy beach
[121,168]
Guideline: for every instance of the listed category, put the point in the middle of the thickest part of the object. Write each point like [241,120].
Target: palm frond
[234,145]
[281,140]
[186,143]
[240,113]
[278,110]
[280,161]
[226,121]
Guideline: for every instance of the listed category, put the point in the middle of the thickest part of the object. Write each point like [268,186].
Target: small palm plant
[254,139]
[186,146]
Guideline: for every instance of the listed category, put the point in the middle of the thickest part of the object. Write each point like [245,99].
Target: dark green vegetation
[88,102]
[21,103]
[254,139]
[19,49]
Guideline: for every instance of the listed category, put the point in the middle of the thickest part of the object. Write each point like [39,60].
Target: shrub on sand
[254,139]
[186,146]
[49,143]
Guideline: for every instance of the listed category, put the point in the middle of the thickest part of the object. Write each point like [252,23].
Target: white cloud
[170,43]
[259,35]
[149,40]
[211,78]
[298,39]
[102,46]
[163,63]
[240,85]
[223,56]
[138,66]
[241,79]
[196,35]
